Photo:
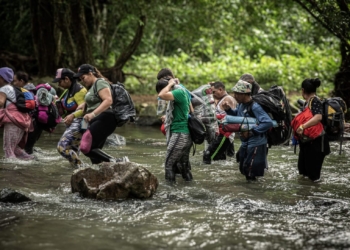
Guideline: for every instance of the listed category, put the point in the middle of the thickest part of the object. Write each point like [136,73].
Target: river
[218,210]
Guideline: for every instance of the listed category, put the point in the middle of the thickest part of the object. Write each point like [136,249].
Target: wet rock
[115,140]
[113,181]
[148,116]
[12,196]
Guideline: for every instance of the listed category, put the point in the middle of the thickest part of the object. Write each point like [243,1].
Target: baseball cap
[84,69]
[242,87]
[61,73]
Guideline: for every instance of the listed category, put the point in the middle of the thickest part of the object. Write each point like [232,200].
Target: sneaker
[318,180]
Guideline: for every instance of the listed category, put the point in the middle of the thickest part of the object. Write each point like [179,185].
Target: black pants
[96,135]
[33,137]
[311,157]
[218,149]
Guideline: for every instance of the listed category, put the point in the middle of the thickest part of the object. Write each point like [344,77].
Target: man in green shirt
[176,126]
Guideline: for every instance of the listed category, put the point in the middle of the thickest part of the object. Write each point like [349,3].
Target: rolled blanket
[239,119]
[230,127]
[229,119]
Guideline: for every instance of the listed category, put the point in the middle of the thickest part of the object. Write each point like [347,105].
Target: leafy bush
[229,64]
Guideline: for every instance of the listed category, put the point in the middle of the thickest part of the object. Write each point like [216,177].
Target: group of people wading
[252,154]
[90,103]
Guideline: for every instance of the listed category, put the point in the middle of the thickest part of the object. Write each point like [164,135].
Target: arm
[79,99]
[165,93]
[229,101]
[106,97]
[2,100]
[265,122]
[312,122]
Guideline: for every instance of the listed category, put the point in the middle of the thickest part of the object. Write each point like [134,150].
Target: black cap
[63,72]
[84,69]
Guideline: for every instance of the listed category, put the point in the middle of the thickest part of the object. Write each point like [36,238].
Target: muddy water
[218,210]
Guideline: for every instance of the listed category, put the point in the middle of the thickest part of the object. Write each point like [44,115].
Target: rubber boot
[186,171]
[97,156]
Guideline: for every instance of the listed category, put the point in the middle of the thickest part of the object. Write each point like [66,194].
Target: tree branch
[323,23]
[131,48]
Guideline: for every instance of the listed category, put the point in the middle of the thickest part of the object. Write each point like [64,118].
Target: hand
[246,134]
[173,81]
[300,130]
[89,117]
[225,105]
[163,118]
[68,119]
[81,106]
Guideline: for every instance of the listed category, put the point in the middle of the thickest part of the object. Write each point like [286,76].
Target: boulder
[148,116]
[12,196]
[115,140]
[114,181]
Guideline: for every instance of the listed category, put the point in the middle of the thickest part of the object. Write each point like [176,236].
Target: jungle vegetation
[280,42]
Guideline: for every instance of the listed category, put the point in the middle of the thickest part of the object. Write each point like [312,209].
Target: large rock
[148,116]
[112,181]
[12,196]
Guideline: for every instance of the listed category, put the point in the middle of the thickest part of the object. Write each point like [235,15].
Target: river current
[218,210]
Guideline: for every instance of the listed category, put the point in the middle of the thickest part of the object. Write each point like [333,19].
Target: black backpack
[333,117]
[123,106]
[276,105]
[197,129]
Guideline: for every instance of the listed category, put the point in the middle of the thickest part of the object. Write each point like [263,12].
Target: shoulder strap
[95,88]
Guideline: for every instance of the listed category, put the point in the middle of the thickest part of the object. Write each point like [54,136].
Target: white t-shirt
[10,94]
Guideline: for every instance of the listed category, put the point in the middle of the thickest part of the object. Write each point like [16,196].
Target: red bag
[162,128]
[301,118]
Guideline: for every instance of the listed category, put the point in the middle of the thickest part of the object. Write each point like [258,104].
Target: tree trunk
[43,30]
[116,72]
[342,78]
[81,34]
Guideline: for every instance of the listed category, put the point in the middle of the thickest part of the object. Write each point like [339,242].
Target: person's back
[16,123]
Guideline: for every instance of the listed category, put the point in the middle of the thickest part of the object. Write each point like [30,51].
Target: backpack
[123,107]
[333,120]
[204,108]
[25,101]
[197,129]
[46,111]
[276,105]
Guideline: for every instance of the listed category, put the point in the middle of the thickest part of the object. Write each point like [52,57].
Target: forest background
[280,42]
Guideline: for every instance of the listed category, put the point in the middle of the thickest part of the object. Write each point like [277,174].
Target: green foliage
[228,65]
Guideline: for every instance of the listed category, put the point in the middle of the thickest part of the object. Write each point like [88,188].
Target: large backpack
[333,117]
[276,105]
[123,106]
[25,101]
[204,108]
[46,113]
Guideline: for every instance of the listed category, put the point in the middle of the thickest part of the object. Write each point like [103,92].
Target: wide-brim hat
[242,87]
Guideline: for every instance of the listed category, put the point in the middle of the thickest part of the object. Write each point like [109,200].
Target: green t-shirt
[180,112]
[91,99]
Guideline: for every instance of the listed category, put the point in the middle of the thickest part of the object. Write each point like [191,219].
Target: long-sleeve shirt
[259,132]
